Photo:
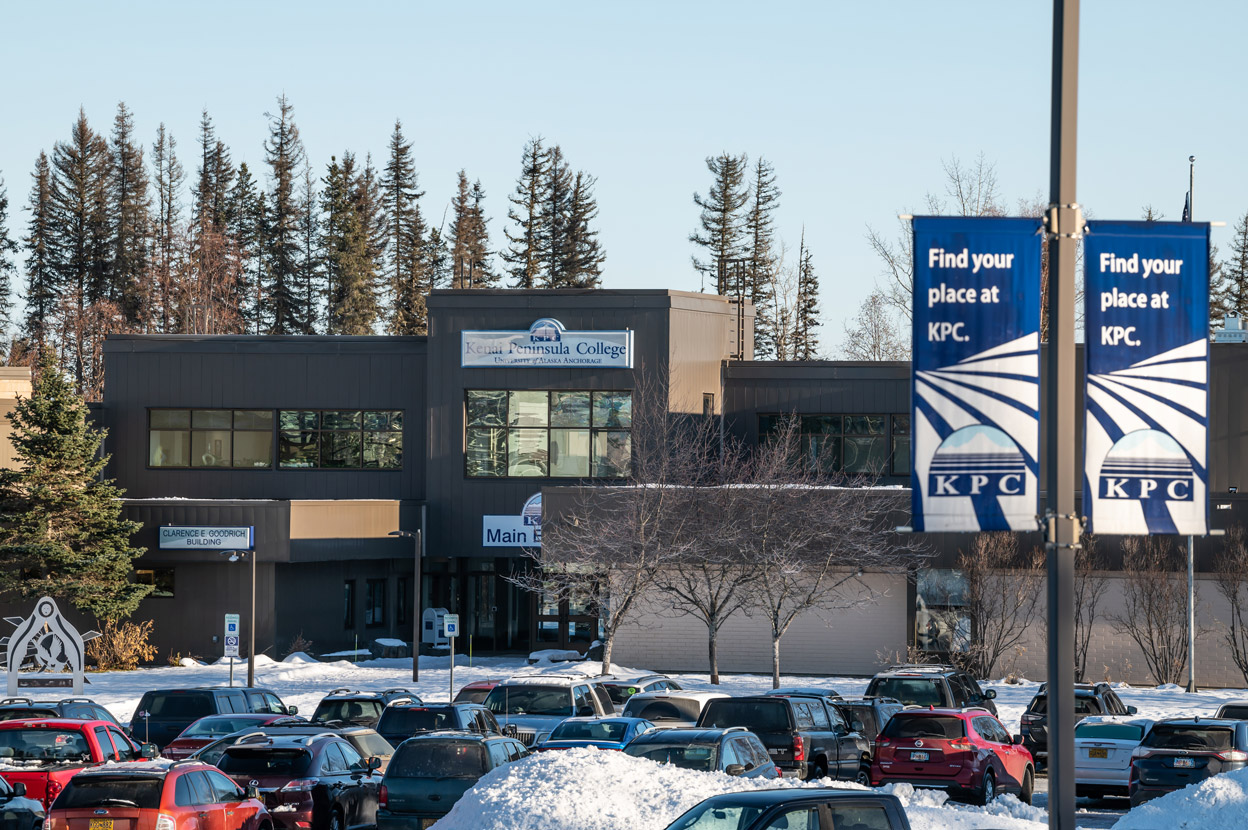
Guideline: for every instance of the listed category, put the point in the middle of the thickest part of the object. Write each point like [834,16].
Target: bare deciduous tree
[1090,587]
[1232,576]
[1155,616]
[876,333]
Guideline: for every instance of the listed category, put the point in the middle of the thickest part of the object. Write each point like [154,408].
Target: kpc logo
[1146,464]
[531,513]
[545,330]
[975,461]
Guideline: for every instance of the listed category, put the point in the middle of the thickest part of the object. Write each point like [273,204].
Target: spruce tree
[352,300]
[216,177]
[469,242]
[245,225]
[806,311]
[169,179]
[284,154]
[437,259]
[130,219]
[761,255]
[62,533]
[584,255]
[552,237]
[1230,282]
[721,220]
[42,269]
[479,240]
[407,267]
[311,273]
[8,269]
[366,192]
[523,253]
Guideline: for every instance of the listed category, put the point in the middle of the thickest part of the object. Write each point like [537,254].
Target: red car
[965,751]
[476,691]
[208,729]
[44,754]
[185,796]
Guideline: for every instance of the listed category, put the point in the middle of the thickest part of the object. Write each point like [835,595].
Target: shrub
[298,644]
[122,646]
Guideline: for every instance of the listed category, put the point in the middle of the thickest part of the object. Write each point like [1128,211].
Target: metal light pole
[415,537]
[1062,525]
[1191,614]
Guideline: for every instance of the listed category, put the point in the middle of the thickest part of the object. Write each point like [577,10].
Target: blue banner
[1146,444]
[976,373]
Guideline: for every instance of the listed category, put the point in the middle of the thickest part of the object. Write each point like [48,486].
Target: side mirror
[857,726]
[734,769]
[1017,740]
[252,791]
[149,751]
[292,710]
[374,763]
[1131,710]
[510,730]
[19,790]
[990,694]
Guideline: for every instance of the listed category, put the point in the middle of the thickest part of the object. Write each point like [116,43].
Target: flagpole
[1191,186]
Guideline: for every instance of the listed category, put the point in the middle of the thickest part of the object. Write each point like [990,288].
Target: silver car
[1103,747]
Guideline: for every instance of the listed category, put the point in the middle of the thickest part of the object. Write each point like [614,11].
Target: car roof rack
[16,701]
[342,691]
[398,691]
[931,667]
[976,709]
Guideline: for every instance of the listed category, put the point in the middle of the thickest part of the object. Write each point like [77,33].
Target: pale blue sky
[855,103]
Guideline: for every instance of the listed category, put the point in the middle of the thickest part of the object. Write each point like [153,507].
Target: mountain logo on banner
[977,461]
[1146,426]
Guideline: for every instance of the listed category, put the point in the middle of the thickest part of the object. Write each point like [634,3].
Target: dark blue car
[604,733]
[1180,751]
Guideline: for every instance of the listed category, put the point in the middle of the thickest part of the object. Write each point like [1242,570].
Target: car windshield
[912,691]
[438,759]
[291,763]
[1110,731]
[1190,737]
[42,745]
[1084,705]
[176,705]
[218,727]
[924,726]
[590,731]
[408,722]
[110,790]
[687,756]
[530,700]
[667,709]
[755,715]
[349,711]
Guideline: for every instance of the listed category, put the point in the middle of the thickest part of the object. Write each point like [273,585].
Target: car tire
[335,819]
[987,788]
[818,770]
[864,775]
[1029,785]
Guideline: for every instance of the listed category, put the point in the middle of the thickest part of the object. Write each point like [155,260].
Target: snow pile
[580,788]
[261,660]
[189,661]
[555,655]
[390,642]
[299,657]
[1214,804]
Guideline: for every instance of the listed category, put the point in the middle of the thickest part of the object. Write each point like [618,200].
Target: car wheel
[1029,784]
[335,819]
[987,788]
[864,775]
[818,770]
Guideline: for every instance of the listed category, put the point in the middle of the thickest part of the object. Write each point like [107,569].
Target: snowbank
[580,788]
[1215,804]
[261,660]
[189,661]
[555,655]
[299,657]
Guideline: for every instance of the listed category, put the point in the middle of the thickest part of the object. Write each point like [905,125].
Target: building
[327,445]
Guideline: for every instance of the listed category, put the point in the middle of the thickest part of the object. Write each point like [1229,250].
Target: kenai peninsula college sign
[547,344]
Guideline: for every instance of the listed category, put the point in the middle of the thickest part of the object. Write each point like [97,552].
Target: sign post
[450,629]
[231,641]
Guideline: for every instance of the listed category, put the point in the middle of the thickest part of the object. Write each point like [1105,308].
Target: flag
[1187,208]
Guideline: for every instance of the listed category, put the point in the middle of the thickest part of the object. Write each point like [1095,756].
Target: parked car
[796,809]
[430,772]
[1103,748]
[23,708]
[207,730]
[871,713]
[669,709]
[621,689]
[1177,752]
[476,691]
[162,714]
[42,755]
[1090,699]
[365,740]
[157,796]
[802,735]
[1234,709]
[830,696]
[924,684]
[356,707]
[965,751]
[317,782]
[533,705]
[401,721]
[603,733]
[734,751]
[17,812]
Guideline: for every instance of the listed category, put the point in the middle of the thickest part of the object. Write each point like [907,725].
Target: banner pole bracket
[1065,221]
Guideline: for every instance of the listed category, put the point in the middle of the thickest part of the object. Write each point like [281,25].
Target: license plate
[100,824]
[1186,763]
[914,756]
[1098,752]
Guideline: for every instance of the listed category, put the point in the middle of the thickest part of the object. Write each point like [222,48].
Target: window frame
[892,432]
[375,589]
[360,431]
[190,430]
[348,603]
[156,581]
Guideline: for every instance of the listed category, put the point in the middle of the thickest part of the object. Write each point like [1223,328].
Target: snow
[349,653]
[554,655]
[1209,805]
[390,643]
[300,657]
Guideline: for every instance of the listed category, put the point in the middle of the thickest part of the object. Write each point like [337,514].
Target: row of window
[325,439]
[871,444]
[374,603]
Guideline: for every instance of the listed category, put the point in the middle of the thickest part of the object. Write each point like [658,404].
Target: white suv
[530,706]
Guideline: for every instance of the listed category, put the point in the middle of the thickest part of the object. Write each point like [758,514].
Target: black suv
[1090,699]
[931,684]
[871,713]
[1178,752]
[356,707]
[802,735]
[402,720]
[364,739]
[162,714]
[23,708]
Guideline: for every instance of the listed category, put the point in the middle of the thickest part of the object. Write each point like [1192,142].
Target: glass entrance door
[482,609]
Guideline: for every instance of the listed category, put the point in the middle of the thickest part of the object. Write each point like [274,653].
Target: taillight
[164,822]
[299,785]
[1140,752]
[383,797]
[882,741]
[961,744]
[52,790]
[1233,755]
[779,774]
[799,748]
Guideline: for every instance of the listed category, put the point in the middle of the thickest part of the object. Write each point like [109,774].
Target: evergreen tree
[552,236]
[806,311]
[584,255]
[407,272]
[479,240]
[352,301]
[437,259]
[130,219]
[311,274]
[62,533]
[169,179]
[524,250]
[469,242]
[216,177]
[1229,283]
[8,268]
[366,192]
[245,225]
[761,255]
[280,301]
[721,221]
[42,269]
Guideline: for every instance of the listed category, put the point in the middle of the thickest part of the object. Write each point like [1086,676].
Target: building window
[941,623]
[404,602]
[348,604]
[901,445]
[161,580]
[546,434]
[336,439]
[210,438]
[375,602]
[708,404]
[848,443]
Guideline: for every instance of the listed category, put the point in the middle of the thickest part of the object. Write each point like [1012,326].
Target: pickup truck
[802,734]
[44,754]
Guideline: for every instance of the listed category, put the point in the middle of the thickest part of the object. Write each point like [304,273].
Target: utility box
[431,627]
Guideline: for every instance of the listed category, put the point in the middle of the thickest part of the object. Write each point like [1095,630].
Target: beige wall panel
[343,519]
